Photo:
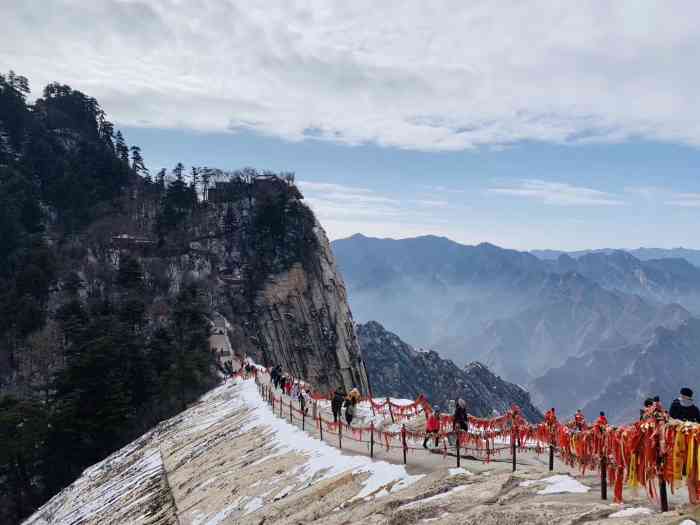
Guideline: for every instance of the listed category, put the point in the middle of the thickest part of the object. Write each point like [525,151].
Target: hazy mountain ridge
[521,316]
[643,254]
[398,370]
[616,381]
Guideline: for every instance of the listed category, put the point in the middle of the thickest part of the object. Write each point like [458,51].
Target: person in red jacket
[550,417]
[580,420]
[432,427]
[602,421]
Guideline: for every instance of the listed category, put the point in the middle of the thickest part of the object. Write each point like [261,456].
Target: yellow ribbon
[691,455]
[678,455]
[632,480]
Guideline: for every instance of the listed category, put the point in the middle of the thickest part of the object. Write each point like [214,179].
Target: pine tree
[178,171]
[121,148]
[137,161]
[160,178]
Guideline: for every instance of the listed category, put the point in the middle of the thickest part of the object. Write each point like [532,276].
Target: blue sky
[525,124]
[528,195]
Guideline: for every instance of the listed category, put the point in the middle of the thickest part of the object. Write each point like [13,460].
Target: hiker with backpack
[351,404]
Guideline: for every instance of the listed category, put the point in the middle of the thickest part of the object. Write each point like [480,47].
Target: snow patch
[458,471]
[631,511]
[557,485]
[437,497]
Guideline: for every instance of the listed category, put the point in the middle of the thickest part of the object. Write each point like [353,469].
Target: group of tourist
[683,408]
[349,402]
[291,387]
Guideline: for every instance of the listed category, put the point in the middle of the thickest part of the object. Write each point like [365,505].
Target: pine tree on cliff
[121,148]
[137,163]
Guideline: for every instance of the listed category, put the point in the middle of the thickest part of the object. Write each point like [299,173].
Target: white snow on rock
[459,470]
[631,511]
[558,484]
[687,522]
[133,484]
[323,461]
[432,499]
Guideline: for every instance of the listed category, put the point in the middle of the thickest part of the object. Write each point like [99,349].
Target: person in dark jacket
[337,402]
[460,419]
[683,407]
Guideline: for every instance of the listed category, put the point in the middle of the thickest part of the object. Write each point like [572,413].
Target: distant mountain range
[398,370]
[643,254]
[523,316]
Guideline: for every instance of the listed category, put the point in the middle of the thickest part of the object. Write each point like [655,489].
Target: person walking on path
[304,400]
[460,419]
[684,408]
[432,427]
[337,402]
[351,404]
[579,421]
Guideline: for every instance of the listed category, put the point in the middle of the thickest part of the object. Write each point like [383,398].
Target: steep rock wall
[301,320]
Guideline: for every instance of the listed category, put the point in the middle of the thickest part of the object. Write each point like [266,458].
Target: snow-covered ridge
[178,470]
[228,459]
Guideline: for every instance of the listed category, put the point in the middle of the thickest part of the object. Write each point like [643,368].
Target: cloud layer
[558,193]
[418,75]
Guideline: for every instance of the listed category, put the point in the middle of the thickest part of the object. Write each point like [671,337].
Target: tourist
[684,408]
[337,402]
[602,421]
[432,427]
[351,405]
[460,417]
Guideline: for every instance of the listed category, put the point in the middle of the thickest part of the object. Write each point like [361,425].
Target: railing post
[291,418]
[603,477]
[340,434]
[303,420]
[371,439]
[320,426]
[459,455]
[512,439]
[403,439]
[551,457]
[663,496]
[391,412]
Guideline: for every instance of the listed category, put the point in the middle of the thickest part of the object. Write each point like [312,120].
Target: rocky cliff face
[257,253]
[397,370]
[302,321]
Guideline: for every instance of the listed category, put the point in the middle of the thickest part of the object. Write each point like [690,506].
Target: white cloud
[558,193]
[684,200]
[429,76]
[427,203]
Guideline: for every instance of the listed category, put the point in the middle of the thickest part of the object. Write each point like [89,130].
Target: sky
[525,124]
